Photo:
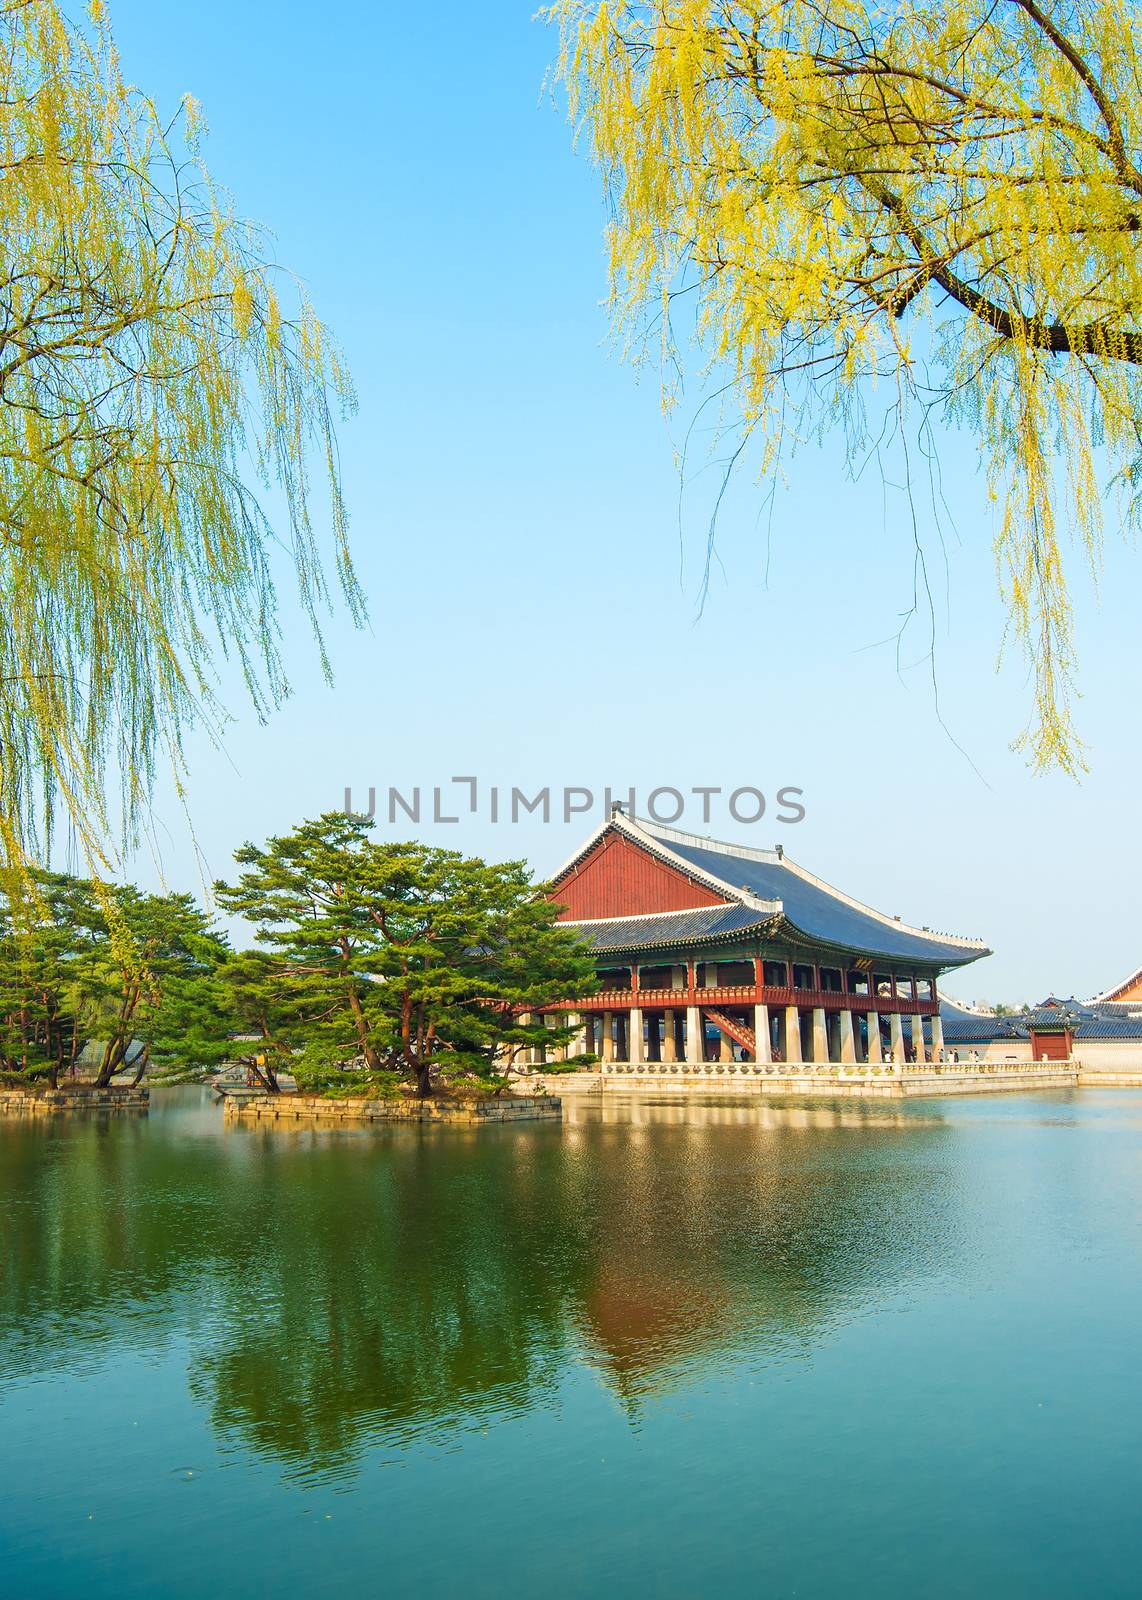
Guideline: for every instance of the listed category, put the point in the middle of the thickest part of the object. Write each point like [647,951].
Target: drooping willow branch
[157,373]
[943,195]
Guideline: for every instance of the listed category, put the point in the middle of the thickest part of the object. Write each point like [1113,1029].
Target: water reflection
[341,1291]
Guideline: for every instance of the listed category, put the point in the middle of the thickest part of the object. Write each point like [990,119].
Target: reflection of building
[710,951]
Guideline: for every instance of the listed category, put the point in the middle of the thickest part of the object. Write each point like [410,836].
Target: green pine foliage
[377,968]
[106,980]
[398,958]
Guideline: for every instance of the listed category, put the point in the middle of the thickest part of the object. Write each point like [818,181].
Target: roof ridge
[743,852]
[1115,988]
[646,916]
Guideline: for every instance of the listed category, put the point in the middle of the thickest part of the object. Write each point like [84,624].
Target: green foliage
[335,1082]
[399,957]
[83,962]
[580,1063]
[878,216]
[378,965]
[158,368]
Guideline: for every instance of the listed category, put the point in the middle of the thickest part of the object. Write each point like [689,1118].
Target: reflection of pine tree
[340,1291]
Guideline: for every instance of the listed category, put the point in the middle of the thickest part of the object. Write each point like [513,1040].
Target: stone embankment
[286,1108]
[18,1102]
[809,1078]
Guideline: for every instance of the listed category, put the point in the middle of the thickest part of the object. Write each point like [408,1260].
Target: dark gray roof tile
[817,912]
[671,928]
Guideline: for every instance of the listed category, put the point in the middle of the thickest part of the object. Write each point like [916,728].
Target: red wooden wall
[618,879]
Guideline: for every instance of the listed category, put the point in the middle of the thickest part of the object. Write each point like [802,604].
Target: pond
[680,1349]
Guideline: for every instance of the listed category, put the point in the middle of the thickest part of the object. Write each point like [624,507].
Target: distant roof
[1087,1020]
[1110,1028]
[1113,993]
[964,1026]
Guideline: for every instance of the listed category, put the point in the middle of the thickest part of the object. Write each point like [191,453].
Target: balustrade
[849,1071]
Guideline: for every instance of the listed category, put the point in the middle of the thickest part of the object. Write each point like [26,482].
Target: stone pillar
[763,1052]
[579,1045]
[695,1035]
[918,1039]
[848,1042]
[937,1037]
[896,1033]
[634,1036]
[820,1035]
[875,1054]
[669,1042]
[607,1043]
[725,1046]
[653,1049]
[794,1049]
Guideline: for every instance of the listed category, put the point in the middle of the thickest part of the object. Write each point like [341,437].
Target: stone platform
[265,1109]
[45,1102]
[808,1078]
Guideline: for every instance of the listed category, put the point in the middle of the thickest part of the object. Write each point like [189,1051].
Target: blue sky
[514,504]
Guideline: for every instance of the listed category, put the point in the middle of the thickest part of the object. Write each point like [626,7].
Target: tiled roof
[708,923]
[1110,1028]
[1126,983]
[1104,1021]
[811,906]
[1046,1018]
[980,1030]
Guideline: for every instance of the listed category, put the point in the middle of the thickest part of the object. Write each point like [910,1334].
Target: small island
[386,981]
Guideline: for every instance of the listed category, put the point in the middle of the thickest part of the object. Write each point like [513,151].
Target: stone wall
[42,1102]
[720,1079]
[1110,1055]
[1029,1075]
[279,1108]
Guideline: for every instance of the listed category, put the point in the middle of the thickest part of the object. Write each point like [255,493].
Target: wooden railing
[749,994]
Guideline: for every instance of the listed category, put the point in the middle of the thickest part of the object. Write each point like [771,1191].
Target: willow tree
[158,375]
[942,200]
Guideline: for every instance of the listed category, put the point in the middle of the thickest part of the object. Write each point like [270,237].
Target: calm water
[675,1351]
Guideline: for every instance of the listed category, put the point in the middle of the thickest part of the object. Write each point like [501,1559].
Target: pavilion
[710,951]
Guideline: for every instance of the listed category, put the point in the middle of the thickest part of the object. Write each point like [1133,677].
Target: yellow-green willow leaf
[819,176]
[150,374]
